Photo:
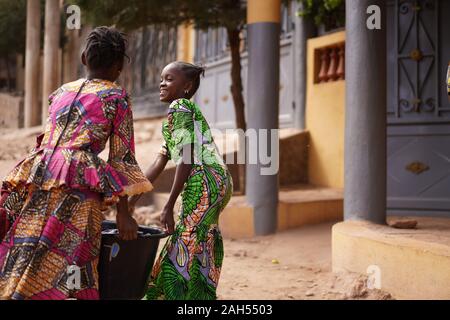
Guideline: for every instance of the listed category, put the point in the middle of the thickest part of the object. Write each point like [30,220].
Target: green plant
[330,13]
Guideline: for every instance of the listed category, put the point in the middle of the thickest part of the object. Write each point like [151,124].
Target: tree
[13,28]
[130,15]
[231,15]
[329,13]
[13,33]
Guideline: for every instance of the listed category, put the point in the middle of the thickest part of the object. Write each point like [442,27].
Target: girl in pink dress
[52,201]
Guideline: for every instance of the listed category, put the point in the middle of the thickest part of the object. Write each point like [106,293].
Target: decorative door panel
[418,112]
[419,173]
[415,89]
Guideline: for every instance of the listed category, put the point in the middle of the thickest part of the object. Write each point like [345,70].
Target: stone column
[304,30]
[365,134]
[51,77]
[263,106]
[32,61]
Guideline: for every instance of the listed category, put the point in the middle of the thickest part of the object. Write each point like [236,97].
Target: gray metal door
[418,111]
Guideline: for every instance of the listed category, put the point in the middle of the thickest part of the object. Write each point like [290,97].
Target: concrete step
[293,161]
[298,206]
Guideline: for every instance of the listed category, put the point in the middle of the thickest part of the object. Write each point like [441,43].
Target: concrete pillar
[32,61]
[365,134]
[51,77]
[304,30]
[263,105]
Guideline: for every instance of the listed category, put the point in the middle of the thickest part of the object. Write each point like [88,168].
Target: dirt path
[289,265]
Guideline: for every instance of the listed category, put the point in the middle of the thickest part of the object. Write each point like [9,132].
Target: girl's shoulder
[114,99]
[106,90]
[103,89]
[73,86]
[182,105]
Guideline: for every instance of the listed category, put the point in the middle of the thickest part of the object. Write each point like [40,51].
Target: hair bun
[104,47]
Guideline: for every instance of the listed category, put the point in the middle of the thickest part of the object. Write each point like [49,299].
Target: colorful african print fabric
[53,199]
[102,112]
[54,231]
[190,262]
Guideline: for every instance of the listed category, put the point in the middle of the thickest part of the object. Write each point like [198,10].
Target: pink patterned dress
[52,201]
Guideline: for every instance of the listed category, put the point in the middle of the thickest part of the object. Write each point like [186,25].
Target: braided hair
[104,47]
[193,73]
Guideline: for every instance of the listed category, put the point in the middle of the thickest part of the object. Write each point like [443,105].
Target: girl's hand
[167,219]
[128,227]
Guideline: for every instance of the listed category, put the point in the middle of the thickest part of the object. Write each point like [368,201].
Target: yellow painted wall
[186,43]
[263,11]
[325,120]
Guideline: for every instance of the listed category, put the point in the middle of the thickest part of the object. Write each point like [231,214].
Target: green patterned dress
[190,262]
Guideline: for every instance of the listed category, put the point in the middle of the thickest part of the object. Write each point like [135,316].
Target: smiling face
[174,84]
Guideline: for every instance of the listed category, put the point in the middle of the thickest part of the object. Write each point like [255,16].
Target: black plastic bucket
[124,266]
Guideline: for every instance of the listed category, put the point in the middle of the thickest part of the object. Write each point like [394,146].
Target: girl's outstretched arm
[157,167]
[151,174]
[181,175]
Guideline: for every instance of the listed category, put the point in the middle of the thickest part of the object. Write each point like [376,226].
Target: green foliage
[330,13]
[12,26]
[133,14]
[230,14]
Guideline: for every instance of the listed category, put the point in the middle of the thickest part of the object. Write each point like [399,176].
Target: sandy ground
[288,265]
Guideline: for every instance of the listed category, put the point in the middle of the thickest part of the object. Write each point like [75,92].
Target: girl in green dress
[190,262]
